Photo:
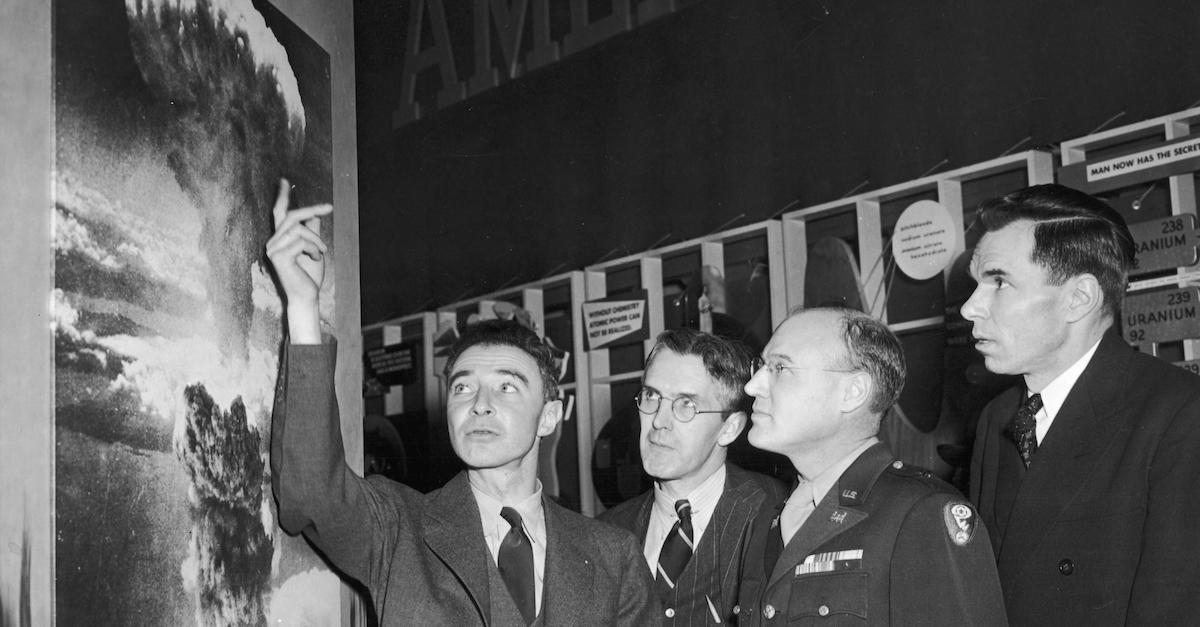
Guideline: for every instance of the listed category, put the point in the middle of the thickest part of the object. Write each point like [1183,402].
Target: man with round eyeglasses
[863,537]
[693,522]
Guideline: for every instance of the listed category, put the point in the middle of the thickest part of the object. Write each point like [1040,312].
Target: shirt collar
[533,517]
[703,498]
[824,482]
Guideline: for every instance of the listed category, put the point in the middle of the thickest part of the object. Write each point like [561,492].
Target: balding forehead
[816,330]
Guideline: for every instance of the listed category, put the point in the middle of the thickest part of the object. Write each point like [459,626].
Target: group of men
[1082,482]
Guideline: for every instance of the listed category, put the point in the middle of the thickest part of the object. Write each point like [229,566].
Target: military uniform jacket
[888,545]
[1102,528]
[423,557]
[711,576]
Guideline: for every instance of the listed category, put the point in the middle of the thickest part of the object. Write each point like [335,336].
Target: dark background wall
[726,107]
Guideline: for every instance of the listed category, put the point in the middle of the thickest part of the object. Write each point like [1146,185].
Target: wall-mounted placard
[393,365]
[1165,243]
[1158,162]
[1162,316]
[615,322]
[924,241]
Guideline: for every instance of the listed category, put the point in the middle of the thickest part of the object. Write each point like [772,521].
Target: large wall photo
[175,122]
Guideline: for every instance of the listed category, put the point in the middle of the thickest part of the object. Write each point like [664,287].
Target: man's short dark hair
[872,348]
[508,333]
[728,362]
[1075,233]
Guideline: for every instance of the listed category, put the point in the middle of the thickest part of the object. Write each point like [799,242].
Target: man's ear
[1084,296]
[552,414]
[857,388]
[731,428]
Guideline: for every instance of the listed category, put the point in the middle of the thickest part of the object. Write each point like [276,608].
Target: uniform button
[823,610]
[897,464]
[737,609]
[769,612]
[1066,567]
[670,612]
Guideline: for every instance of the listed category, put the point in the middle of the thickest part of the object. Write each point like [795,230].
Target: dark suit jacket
[423,557]
[712,573]
[1102,528]
[902,548]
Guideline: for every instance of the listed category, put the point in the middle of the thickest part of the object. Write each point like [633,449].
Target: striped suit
[707,589]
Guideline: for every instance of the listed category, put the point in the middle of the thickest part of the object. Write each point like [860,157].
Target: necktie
[515,562]
[796,511]
[677,548]
[1024,426]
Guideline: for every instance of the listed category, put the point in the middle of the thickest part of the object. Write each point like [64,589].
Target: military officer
[863,538]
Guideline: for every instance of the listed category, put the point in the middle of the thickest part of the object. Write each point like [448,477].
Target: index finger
[304,214]
[281,201]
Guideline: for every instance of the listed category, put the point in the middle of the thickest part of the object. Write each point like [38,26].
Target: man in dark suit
[692,408]
[1086,474]
[485,549]
[864,538]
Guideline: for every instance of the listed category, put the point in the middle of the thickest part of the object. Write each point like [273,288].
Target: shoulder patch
[961,522]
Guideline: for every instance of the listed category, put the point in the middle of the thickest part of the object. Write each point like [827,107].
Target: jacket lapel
[1010,470]
[837,512]
[569,572]
[1085,425]
[642,522]
[817,530]
[727,526]
[453,532]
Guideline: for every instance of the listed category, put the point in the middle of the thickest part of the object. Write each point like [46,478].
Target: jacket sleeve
[1167,579]
[943,571]
[318,495]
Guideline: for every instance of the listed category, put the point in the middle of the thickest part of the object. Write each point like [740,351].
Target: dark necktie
[515,562]
[677,548]
[1024,427]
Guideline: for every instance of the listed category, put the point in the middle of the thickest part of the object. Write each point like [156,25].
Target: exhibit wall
[142,327]
[503,143]
[721,113]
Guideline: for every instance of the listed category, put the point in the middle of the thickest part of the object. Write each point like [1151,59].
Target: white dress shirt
[1055,393]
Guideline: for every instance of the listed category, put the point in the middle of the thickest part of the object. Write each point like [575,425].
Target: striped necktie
[677,548]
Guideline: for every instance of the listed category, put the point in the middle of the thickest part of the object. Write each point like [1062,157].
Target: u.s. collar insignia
[961,522]
[838,516]
[774,522]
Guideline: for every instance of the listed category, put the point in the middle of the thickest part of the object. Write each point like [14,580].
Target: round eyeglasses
[684,408]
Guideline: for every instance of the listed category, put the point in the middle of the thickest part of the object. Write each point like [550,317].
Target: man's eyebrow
[994,272]
[777,357]
[458,374]
[516,374]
